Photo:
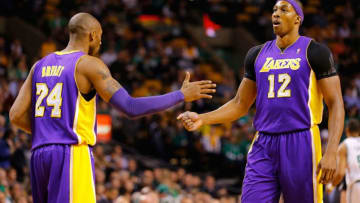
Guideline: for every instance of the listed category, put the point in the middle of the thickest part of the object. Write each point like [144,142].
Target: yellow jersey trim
[315,102]
[65,52]
[316,157]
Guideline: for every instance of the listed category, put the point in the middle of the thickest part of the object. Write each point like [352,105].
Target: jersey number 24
[53,99]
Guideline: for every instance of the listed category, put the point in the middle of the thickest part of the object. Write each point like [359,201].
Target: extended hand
[190,120]
[327,166]
[197,90]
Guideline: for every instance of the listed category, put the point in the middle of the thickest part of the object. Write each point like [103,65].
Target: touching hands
[191,120]
[197,90]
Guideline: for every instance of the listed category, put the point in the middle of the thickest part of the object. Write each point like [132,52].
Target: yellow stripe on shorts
[316,152]
[82,187]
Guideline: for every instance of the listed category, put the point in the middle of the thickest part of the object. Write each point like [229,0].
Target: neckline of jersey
[282,52]
[65,52]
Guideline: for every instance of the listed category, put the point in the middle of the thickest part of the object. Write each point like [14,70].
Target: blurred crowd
[149,55]
[120,179]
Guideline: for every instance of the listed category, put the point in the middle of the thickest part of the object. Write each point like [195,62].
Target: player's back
[61,115]
[353,159]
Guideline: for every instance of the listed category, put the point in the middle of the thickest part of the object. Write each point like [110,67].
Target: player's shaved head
[85,31]
[82,24]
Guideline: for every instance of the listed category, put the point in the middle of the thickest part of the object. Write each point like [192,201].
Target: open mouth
[276,23]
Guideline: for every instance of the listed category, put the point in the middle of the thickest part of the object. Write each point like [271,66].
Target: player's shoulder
[256,48]
[254,51]
[34,66]
[89,66]
[316,47]
[88,62]
[90,59]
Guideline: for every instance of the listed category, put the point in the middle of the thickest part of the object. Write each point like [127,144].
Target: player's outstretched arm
[20,112]
[111,91]
[232,110]
[341,165]
[330,88]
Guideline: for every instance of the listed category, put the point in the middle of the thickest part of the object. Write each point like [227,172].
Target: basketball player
[349,162]
[289,77]
[57,104]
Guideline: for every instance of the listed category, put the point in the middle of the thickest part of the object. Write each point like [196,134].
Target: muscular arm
[341,164]
[322,63]
[245,96]
[330,88]
[98,74]
[111,91]
[236,107]
[20,112]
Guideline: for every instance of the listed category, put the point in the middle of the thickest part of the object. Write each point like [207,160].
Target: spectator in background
[147,179]
[133,169]
[210,186]
[5,146]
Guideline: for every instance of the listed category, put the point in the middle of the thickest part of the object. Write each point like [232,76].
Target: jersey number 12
[282,92]
[53,99]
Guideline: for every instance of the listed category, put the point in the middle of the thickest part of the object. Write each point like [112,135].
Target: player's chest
[292,64]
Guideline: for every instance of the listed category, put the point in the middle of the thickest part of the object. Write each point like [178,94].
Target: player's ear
[92,36]
[298,20]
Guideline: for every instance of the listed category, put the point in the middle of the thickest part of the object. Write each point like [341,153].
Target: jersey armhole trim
[327,76]
[307,59]
[262,46]
[34,67]
[77,86]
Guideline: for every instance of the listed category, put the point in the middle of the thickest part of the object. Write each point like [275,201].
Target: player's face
[95,42]
[284,18]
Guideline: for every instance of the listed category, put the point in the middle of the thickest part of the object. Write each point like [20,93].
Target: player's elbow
[14,116]
[240,107]
[133,114]
[335,104]
[131,110]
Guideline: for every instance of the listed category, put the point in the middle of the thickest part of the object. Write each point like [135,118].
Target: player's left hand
[197,90]
[327,166]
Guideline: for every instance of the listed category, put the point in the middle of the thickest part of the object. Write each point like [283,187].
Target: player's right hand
[197,90]
[190,120]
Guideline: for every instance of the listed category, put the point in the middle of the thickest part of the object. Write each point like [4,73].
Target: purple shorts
[283,164]
[62,174]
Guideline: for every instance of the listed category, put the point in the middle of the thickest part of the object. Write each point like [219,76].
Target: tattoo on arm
[112,86]
[104,75]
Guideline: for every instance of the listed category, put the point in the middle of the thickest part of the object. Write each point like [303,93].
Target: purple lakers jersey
[60,114]
[288,98]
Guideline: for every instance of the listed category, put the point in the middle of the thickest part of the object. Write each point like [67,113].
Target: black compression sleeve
[321,60]
[250,62]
